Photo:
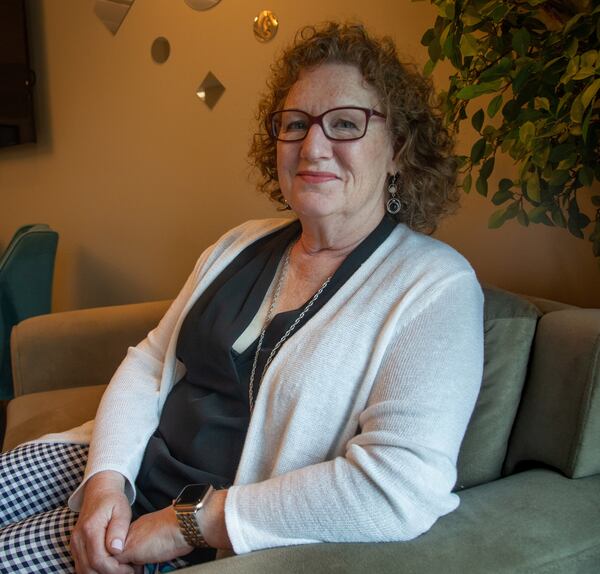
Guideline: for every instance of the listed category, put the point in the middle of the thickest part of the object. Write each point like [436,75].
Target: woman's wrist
[106,480]
[212,521]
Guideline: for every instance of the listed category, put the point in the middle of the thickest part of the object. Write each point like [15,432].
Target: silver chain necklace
[274,299]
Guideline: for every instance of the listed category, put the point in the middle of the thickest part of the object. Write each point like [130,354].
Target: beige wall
[138,176]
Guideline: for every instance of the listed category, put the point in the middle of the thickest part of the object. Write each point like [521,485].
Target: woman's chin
[315,205]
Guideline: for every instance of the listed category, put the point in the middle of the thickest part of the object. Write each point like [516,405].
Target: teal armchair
[26,271]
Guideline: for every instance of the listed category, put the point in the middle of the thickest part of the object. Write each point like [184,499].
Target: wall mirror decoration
[210,90]
[201,4]
[112,12]
[265,26]
[160,50]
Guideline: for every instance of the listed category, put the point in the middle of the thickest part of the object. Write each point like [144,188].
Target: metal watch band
[190,529]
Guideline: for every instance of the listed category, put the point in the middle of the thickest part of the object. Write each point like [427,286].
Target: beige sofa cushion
[31,416]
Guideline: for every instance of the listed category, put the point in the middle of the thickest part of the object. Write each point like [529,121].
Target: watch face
[192,493]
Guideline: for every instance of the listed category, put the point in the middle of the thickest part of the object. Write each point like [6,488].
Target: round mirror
[161,50]
[201,4]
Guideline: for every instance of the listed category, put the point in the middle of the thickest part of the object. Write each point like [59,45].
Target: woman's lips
[316,176]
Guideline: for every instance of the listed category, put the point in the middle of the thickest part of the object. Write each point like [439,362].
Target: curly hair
[427,164]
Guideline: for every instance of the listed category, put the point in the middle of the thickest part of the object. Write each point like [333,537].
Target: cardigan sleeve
[396,476]
[129,410]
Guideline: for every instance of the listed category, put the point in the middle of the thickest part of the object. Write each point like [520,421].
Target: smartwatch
[190,502]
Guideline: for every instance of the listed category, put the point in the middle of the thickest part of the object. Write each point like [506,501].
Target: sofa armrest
[537,521]
[77,348]
[558,422]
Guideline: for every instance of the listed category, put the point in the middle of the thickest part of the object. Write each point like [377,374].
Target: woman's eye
[298,125]
[345,125]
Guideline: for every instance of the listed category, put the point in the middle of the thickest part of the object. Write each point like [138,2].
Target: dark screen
[16,78]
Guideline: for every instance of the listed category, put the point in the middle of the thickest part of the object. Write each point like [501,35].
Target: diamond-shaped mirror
[210,90]
[112,12]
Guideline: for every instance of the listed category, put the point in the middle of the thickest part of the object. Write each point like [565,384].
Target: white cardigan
[359,418]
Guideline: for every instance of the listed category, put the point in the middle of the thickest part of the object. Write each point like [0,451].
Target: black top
[203,424]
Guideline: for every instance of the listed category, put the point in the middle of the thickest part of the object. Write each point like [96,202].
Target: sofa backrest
[509,324]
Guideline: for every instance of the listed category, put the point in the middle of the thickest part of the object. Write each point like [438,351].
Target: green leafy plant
[528,79]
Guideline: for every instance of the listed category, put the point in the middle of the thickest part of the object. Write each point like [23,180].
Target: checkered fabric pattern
[35,525]
[38,544]
[37,477]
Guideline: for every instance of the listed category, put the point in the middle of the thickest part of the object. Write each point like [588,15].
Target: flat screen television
[17,125]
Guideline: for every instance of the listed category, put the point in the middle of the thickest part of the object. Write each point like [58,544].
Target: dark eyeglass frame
[318,120]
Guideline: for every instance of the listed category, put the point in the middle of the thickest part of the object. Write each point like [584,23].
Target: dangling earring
[393,205]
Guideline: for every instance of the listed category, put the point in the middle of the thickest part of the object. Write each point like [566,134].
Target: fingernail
[117,544]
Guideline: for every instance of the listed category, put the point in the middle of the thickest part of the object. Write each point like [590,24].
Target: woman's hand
[154,537]
[102,526]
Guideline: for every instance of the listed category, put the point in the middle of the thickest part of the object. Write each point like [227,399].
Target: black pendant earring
[393,204]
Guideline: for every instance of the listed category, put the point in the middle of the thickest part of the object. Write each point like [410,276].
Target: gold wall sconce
[265,26]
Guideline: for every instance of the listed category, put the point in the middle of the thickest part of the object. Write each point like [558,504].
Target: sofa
[529,465]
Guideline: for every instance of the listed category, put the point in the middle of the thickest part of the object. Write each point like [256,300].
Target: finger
[117,530]
[78,553]
[99,560]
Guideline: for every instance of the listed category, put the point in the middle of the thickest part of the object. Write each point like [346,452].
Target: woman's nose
[315,144]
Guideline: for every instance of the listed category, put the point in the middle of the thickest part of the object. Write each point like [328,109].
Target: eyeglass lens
[340,124]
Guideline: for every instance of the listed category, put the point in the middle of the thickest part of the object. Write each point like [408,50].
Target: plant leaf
[584,73]
[568,162]
[542,104]
[522,217]
[533,187]
[469,45]
[494,105]
[589,93]
[513,209]
[478,150]
[558,216]
[577,110]
[520,41]
[487,168]
[572,47]
[589,58]
[466,183]
[559,177]
[586,176]
[526,132]
[428,68]
[477,120]
[501,197]
[428,37]
[470,92]
[497,218]
[538,214]
[505,184]
[481,185]
[571,23]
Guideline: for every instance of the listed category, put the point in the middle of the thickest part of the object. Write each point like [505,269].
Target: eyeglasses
[338,124]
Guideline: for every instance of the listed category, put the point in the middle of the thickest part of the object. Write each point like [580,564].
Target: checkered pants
[35,524]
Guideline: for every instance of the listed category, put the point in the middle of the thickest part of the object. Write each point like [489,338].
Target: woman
[325,366]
